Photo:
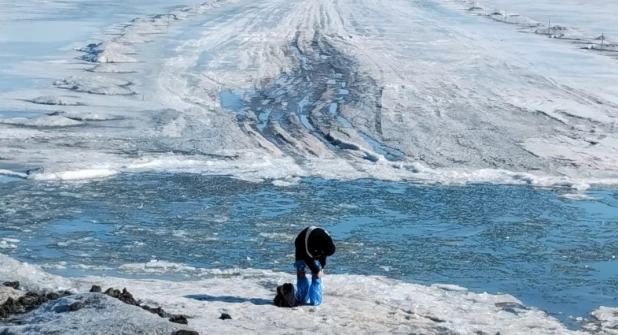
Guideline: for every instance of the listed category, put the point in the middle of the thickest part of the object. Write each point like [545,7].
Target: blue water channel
[550,252]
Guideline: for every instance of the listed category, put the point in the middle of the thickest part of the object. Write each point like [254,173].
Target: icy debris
[131,37]
[576,196]
[287,181]
[475,8]
[7,243]
[94,48]
[278,236]
[107,52]
[145,28]
[558,31]
[504,16]
[108,56]
[55,101]
[604,321]
[603,46]
[13,174]
[108,68]
[42,121]
[87,116]
[156,266]
[96,85]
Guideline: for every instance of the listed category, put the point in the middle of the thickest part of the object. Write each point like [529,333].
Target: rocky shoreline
[15,305]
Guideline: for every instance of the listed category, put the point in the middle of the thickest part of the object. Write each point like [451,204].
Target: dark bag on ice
[285,296]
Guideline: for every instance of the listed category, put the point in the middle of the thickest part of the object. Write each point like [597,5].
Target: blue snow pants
[308,294]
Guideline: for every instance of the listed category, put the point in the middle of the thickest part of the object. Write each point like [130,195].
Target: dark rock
[13,284]
[435,319]
[225,316]
[181,319]
[53,296]
[10,305]
[185,332]
[31,300]
[127,298]
[113,293]
[95,289]
[76,306]
[27,302]
[159,311]
[65,294]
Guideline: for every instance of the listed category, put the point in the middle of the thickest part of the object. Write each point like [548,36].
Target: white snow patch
[107,52]
[604,46]
[288,181]
[449,287]
[107,45]
[511,18]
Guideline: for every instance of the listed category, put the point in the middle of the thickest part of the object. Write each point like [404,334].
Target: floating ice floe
[87,174]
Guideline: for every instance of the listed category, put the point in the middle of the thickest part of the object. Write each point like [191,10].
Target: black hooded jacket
[319,245]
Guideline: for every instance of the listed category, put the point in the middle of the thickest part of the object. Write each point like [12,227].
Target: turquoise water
[552,253]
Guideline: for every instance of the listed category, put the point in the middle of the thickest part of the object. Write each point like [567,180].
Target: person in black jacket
[313,245]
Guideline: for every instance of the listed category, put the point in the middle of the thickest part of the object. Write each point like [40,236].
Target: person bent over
[313,245]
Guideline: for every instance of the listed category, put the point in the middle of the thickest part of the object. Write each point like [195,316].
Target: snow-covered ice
[276,91]
[353,304]
[466,99]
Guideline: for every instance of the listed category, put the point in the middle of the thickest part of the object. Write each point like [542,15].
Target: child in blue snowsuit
[313,245]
